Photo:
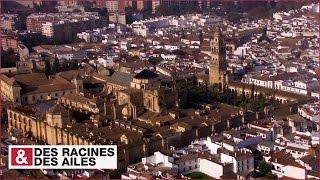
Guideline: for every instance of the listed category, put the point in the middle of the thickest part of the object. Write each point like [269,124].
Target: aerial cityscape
[185,89]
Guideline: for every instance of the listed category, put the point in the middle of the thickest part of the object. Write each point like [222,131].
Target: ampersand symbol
[20,159]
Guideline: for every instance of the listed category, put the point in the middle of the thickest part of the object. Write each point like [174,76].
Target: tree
[264,35]
[179,52]
[155,60]
[192,96]
[56,67]
[271,176]
[261,102]
[47,68]
[65,65]
[252,91]
[200,36]
[74,64]
[9,58]
[264,168]
[243,95]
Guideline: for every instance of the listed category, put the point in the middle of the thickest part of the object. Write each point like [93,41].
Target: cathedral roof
[146,74]
[58,109]
[120,78]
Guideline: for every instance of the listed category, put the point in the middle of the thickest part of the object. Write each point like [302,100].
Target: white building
[310,111]
[283,164]
[159,158]
[169,57]
[208,165]
[106,61]
[242,160]
[147,26]
[157,166]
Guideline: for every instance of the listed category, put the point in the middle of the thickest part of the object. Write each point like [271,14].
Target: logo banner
[62,157]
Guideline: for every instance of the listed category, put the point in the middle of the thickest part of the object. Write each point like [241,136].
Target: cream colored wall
[10,92]
[87,106]
[34,98]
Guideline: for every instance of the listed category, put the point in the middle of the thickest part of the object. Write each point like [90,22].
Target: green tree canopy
[47,68]
[56,67]
[264,168]
[9,58]
[74,64]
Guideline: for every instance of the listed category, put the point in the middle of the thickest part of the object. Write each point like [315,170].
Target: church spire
[218,64]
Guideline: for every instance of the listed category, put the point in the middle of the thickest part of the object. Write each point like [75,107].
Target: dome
[146,74]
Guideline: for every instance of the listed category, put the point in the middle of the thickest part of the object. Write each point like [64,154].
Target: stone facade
[218,64]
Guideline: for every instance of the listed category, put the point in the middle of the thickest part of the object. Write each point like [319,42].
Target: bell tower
[218,64]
